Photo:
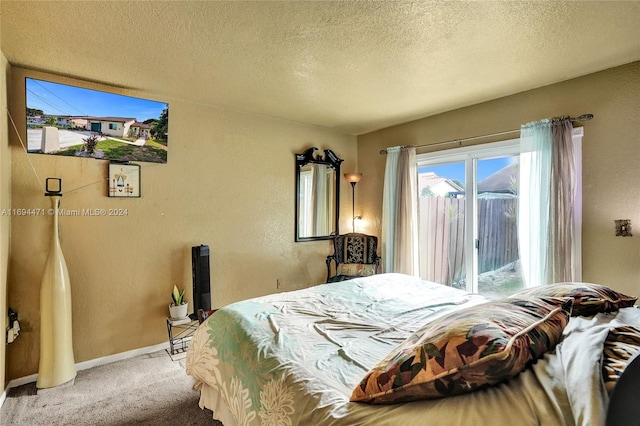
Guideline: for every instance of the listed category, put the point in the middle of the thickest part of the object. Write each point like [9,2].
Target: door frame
[470,156]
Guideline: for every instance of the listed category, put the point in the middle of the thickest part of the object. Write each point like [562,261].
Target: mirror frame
[332,160]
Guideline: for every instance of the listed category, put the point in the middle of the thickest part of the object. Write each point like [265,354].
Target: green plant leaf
[177,296]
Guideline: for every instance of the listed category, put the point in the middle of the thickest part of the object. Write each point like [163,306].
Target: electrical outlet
[13,328]
[279,283]
[13,332]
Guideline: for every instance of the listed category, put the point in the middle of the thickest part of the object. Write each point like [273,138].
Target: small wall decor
[623,228]
[124,180]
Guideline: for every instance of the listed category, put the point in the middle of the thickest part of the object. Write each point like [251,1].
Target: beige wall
[611,154]
[228,183]
[5,204]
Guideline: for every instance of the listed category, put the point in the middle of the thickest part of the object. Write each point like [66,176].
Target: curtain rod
[583,117]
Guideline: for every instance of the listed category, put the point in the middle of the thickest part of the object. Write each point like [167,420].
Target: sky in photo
[60,99]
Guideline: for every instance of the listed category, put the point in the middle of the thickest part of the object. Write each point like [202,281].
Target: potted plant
[178,306]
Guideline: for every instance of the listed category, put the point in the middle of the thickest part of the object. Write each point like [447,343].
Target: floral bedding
[295,358]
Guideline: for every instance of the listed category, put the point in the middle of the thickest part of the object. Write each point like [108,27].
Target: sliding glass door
[499,270]
[441,222]
[467,218]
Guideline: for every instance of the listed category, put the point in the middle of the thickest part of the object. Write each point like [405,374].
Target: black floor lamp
[353,178]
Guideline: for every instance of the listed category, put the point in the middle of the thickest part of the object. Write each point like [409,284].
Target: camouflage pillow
[467,350]
[620,346]
[588,299]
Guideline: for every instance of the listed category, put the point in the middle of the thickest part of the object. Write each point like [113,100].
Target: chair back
[354,255]
[356,248]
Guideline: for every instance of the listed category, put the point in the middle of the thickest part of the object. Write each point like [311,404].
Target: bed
[297,358]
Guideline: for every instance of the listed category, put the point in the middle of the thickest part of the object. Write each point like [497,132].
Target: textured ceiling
[351,66]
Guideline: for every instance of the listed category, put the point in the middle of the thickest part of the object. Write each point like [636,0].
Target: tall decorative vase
[57,364]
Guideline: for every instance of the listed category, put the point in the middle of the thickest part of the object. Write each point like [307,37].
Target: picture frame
[123,180]
[78,122]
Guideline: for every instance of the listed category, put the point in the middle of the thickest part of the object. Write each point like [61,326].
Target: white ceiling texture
[353,66]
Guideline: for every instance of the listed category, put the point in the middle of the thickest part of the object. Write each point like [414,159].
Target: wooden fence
[441,234]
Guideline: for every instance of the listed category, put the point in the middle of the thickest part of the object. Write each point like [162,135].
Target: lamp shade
[353,177]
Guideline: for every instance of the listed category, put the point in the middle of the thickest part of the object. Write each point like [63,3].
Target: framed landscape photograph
[124,180]
[79,122]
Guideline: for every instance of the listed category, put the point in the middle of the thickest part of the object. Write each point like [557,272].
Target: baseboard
[89,364]
[119,357]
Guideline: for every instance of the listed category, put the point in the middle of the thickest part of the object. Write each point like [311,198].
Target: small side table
[180,332]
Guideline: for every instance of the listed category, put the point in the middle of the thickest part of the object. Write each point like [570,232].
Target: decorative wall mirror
[317,195]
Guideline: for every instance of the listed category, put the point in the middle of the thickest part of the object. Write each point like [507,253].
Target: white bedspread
[294,358]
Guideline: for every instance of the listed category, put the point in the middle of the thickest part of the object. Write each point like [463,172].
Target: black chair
[354,255]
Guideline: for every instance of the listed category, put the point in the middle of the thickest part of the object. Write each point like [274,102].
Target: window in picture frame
[124,180]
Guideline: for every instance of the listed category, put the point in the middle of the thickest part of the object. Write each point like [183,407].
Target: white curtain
[533,207]
[548,224]
[321,201]
[399,210]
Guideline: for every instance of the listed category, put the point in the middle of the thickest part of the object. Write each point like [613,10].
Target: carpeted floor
[149,389]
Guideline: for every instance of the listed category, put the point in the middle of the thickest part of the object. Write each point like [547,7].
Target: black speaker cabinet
[201,278]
